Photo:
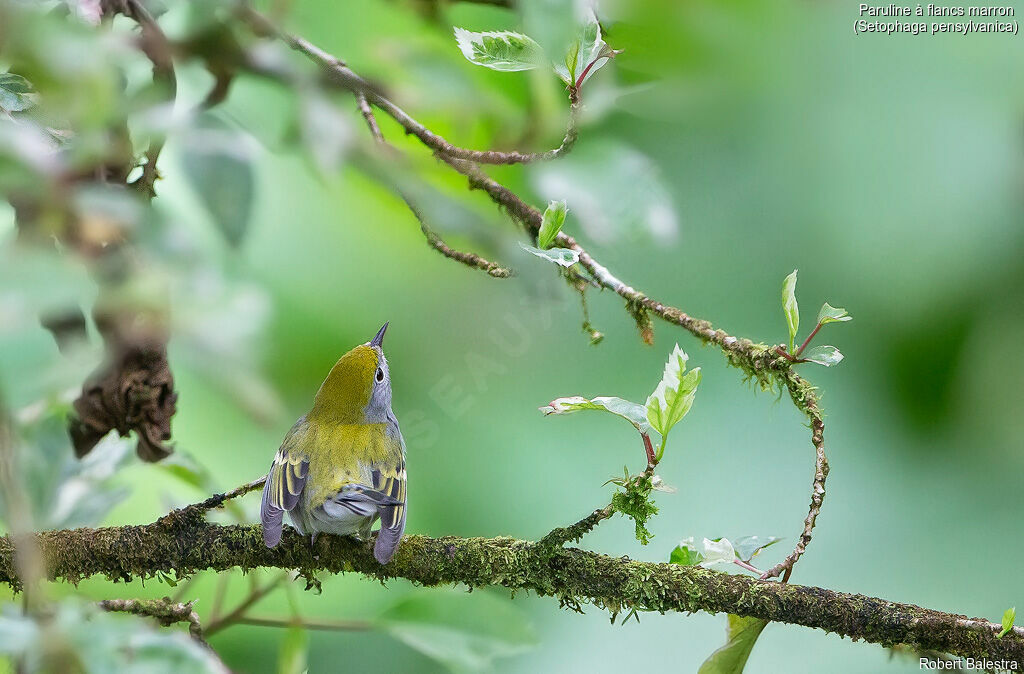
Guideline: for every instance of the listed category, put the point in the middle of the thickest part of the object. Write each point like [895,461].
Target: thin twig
[469,259]
[251,599]
[559,536]
[808,340]
[817,498]
[157,48]
[371,120]
[746,565]
[217,500]
[342,75]
[435,241]
[324,625]
[165,611]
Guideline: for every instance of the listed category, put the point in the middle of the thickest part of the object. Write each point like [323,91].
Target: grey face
[378,410]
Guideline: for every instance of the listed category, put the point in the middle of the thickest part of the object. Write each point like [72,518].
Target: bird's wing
[358,499]
[390,480]
[282,490]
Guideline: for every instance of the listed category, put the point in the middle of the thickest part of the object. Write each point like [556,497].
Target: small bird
[342,465]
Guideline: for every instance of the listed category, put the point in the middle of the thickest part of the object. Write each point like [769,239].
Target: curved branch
[469,259]
[185,543]
[343,76]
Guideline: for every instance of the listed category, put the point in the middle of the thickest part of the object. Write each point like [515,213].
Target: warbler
[342,465]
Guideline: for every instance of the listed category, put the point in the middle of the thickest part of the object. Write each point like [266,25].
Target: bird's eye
[380,374]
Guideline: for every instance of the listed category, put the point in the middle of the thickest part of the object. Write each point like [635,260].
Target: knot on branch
[132,391]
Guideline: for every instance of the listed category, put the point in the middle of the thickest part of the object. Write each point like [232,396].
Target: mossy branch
[183,542]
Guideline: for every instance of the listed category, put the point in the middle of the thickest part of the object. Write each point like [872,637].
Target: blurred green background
[729,144]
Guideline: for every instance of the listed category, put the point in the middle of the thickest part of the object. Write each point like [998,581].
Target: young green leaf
[748,547]
[720,551]
[823,355]
[502,50]
[587,48]
[790,307]
[674,395]
[1008,618]
[830,314]
[554,218]
[563,257]
[632,412]
[741,635]
[686,553]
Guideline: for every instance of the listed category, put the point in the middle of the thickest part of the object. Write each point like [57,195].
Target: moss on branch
[185,543]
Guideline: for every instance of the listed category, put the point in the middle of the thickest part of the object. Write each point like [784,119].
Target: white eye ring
[380,374]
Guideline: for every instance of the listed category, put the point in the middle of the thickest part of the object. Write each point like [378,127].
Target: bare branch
[321,625]
[238,613]
[468,259]
[371,120]
[217,500]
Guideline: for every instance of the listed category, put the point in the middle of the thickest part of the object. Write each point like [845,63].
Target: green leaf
[554,218]
[674,395]
[717,551]
[1008,618]
[686,553]
[741,635]
[291,657]
[502,50]
[632,412]
[572,60]
[586,48]
[747,547]
[16,93]
[823,355]
[563,257]
[460,631]
[219,168]
[16,84]
[830,314]
[790,307]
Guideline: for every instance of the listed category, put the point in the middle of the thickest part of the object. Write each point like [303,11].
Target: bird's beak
[379,339]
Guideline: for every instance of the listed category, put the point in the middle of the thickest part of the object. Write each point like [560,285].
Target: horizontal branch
[185,543]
